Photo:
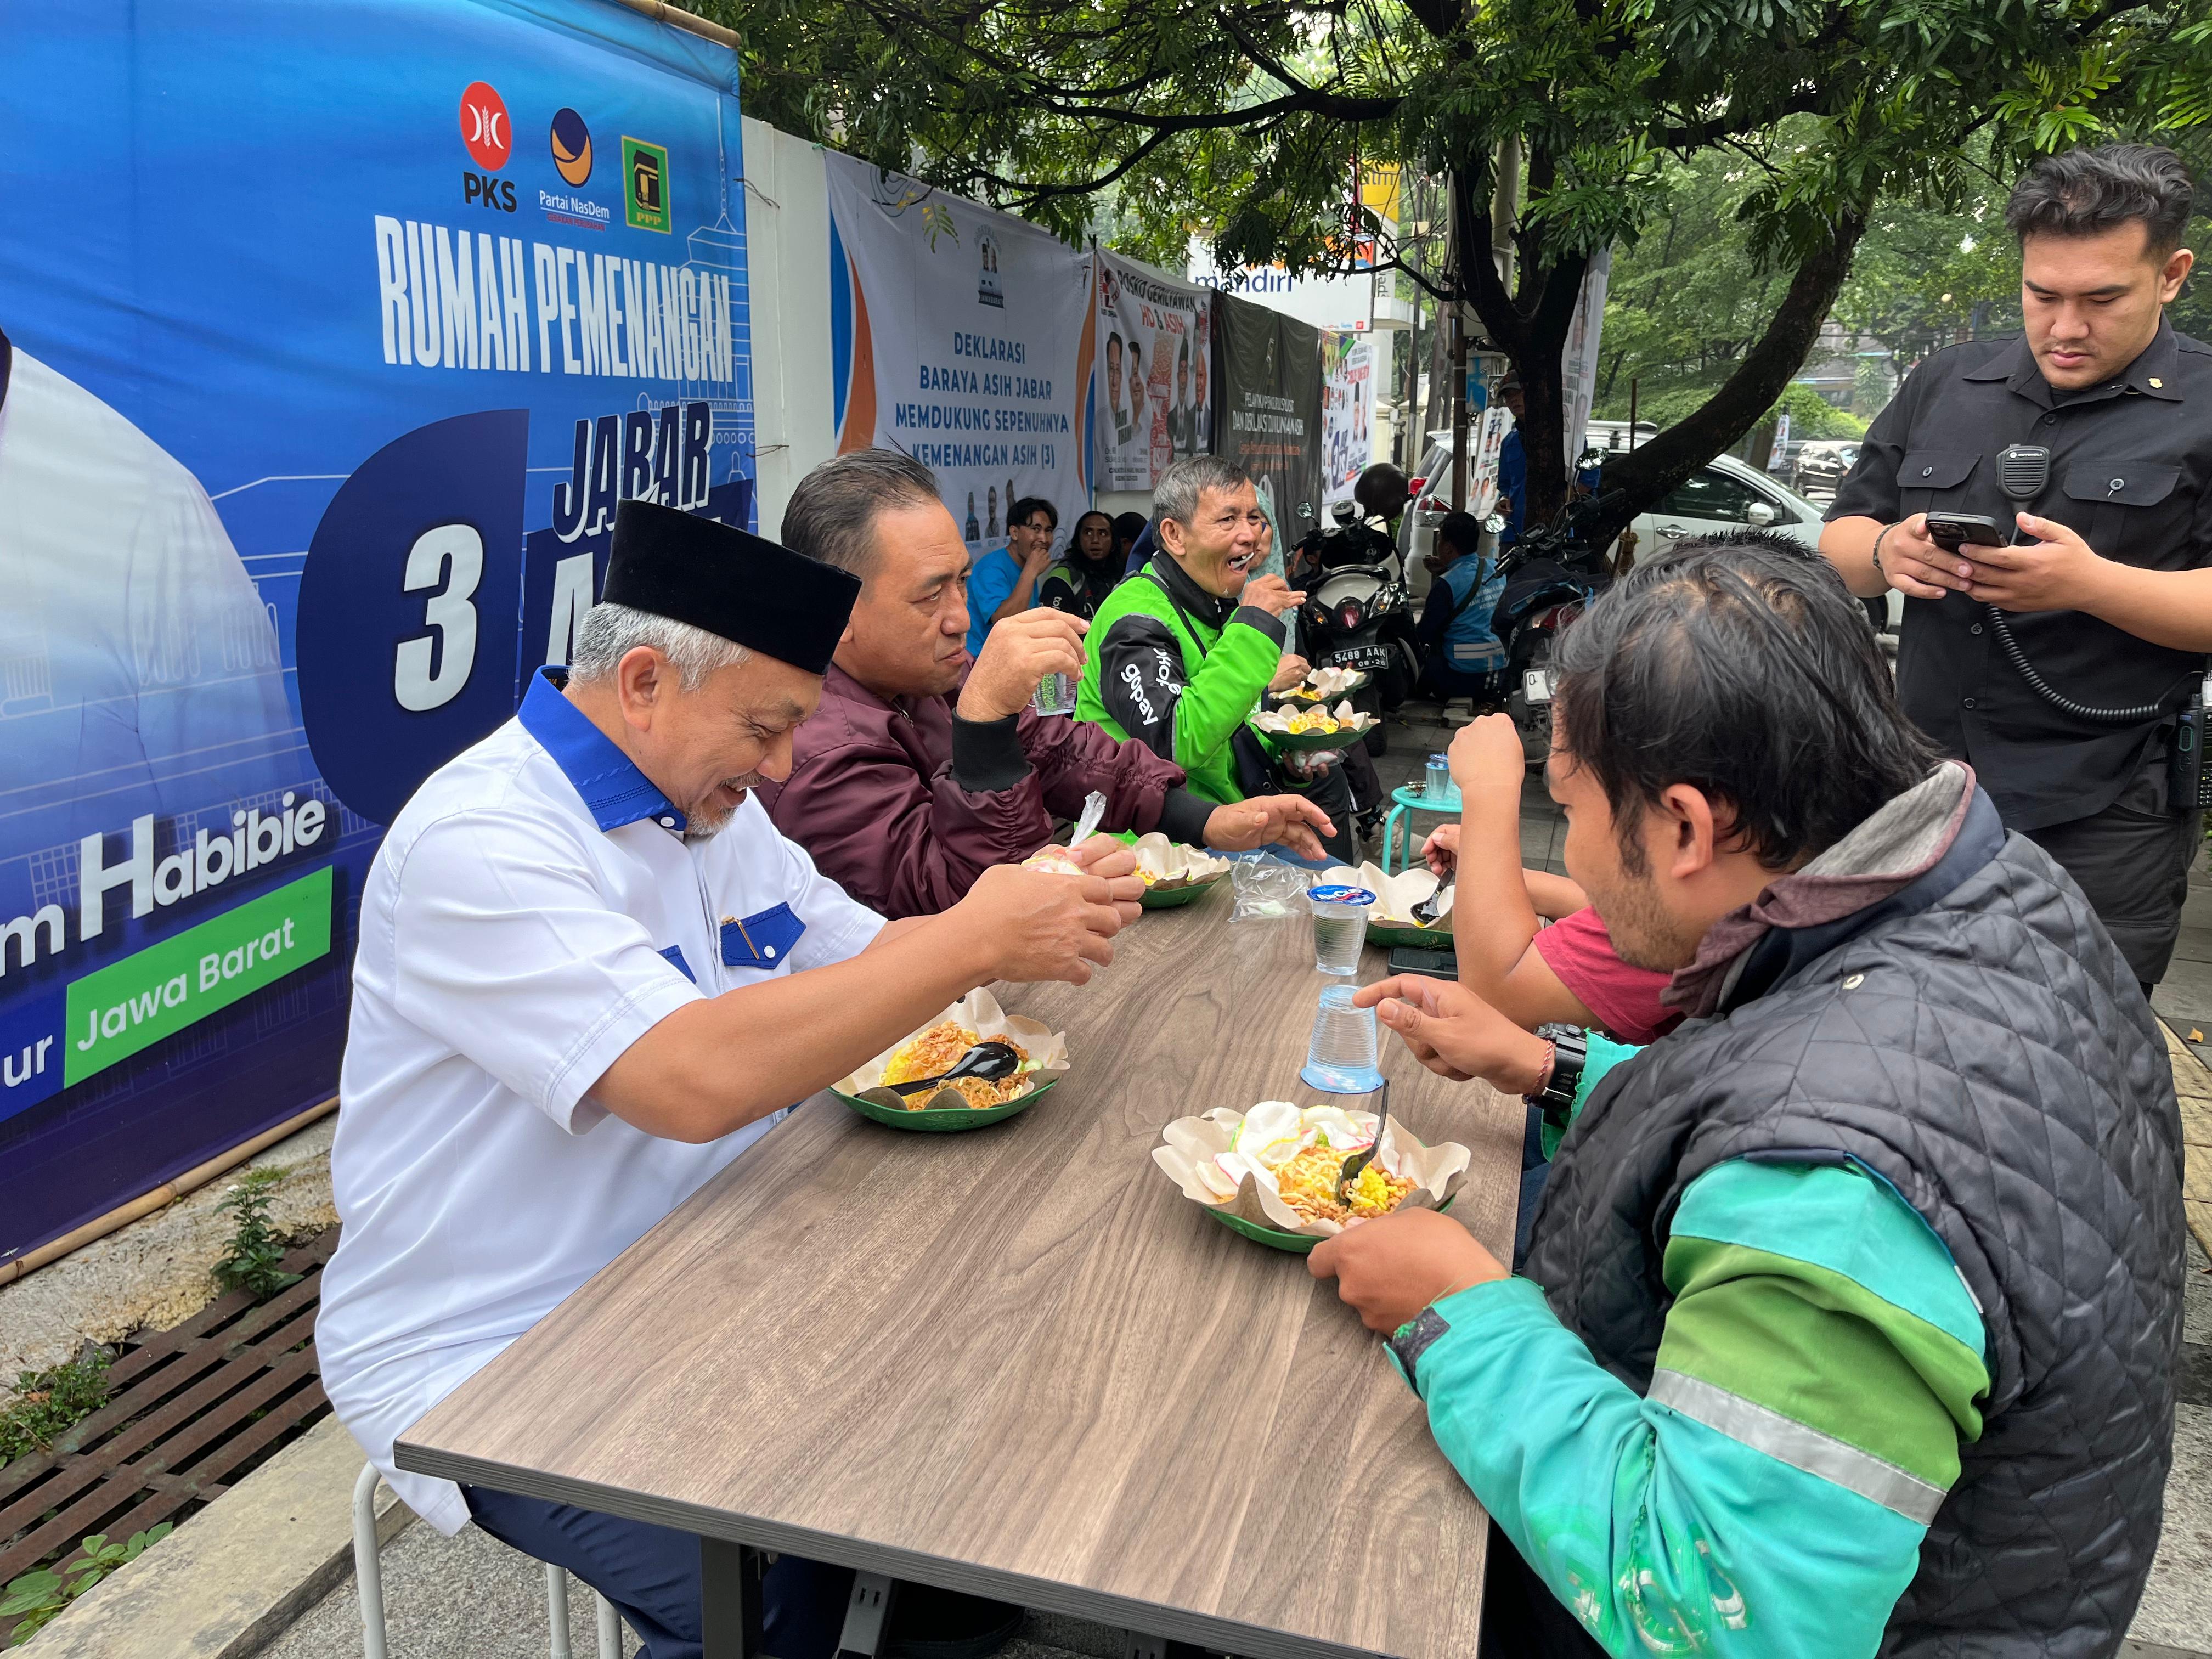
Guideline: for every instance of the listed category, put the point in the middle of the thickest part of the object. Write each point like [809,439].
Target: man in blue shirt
[1004,582]
[1460,656]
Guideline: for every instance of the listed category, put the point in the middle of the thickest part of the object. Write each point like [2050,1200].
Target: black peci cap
[746,588]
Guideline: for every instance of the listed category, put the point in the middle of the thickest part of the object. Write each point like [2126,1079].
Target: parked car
[1821,465]
[1725,494]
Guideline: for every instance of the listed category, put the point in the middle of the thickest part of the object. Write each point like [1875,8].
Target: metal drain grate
[192,1411]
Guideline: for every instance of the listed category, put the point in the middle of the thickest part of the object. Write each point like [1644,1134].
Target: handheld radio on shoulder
[2023,472]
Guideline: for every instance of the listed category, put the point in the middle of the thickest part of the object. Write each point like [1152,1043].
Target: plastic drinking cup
[1055,695]
[1341,1056]
[1339,916]
[1437,781]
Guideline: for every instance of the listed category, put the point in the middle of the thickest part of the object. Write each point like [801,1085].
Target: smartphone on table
[1434,964]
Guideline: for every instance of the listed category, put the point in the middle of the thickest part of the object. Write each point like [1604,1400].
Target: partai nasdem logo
[571,141]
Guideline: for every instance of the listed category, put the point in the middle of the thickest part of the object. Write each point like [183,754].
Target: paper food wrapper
[980,1013]
[1397,896]
[1172,865]
[1324,684]
[1226,1160]
[1279,720]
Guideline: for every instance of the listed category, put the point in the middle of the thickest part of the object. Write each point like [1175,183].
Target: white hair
[610,632]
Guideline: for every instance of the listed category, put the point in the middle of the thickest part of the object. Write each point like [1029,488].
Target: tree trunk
[1640,478]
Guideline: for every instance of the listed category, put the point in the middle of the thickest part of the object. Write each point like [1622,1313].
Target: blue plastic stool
[1413,798]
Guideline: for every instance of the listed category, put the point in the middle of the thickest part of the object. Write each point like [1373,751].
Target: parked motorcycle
[1551,574]
[1358,614]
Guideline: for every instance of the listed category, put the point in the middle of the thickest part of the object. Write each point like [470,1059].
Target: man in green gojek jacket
[1180,655]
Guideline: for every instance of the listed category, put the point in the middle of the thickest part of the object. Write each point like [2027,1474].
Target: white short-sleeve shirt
[534,910]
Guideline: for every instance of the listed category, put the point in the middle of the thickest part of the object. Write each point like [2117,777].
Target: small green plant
[251,1263]
[37,1597]
[48,1403]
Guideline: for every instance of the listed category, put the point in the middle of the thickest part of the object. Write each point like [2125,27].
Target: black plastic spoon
[986,1061]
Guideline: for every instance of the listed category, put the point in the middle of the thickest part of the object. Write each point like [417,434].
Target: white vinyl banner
[1578,361]
[1347,411]
[964,338]
[1154,336]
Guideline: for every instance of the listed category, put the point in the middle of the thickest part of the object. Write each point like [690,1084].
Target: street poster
[1155,340]
[1270,413]
[962,336]
[307,468]
[1347,411]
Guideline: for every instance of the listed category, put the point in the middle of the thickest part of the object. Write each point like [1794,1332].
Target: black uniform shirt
[2130,471]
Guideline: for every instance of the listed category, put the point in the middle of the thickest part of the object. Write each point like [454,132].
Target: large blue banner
[329,336]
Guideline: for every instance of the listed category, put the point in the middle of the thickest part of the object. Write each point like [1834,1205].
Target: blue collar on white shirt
[608,779]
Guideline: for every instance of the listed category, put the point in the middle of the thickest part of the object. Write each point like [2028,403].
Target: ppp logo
[484,127]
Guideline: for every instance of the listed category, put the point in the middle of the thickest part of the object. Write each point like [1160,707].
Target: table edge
[1215,1634]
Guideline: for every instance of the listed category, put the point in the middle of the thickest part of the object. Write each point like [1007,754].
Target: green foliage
[37,1597]
[1811,415]
[48,1403]
[250,1264]
[1782,124]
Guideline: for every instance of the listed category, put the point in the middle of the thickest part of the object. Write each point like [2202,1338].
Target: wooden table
[1018,1361]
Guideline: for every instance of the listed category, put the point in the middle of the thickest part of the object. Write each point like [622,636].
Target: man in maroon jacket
[903,795]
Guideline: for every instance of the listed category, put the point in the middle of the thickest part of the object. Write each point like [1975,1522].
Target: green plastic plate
[1274,1237]
[1155,900]
[944,1120]
[1340,738]
[1386,934]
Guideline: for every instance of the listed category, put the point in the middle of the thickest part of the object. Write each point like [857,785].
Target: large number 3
[452,555]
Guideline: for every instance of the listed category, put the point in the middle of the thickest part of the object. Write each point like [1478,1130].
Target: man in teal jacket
[1179,655]
[1767,1389]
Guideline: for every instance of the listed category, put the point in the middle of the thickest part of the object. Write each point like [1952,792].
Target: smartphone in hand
[1952,531]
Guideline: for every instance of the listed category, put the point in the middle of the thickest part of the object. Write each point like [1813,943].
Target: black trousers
[1520,1617]
[2132,861]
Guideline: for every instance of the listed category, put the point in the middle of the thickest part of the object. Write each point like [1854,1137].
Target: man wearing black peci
[2101,582]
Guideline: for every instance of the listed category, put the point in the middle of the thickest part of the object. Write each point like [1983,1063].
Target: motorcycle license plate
[1536,684]
[1367,658]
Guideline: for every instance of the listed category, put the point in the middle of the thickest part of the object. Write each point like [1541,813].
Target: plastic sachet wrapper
[1268,888]
[1251,1164]
[1058,857]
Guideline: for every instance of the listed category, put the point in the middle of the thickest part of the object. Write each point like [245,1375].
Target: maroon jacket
[904,804]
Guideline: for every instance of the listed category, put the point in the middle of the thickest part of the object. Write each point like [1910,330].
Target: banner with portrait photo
[1347,411]
[1270,413]
[962,336]
[300,479]
[1154,373]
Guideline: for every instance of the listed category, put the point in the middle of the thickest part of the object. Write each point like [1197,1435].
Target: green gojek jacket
[1180,671]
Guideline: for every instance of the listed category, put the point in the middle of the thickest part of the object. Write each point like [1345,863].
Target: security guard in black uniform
[2057,662]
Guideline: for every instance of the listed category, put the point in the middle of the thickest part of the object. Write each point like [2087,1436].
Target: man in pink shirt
[1566,973]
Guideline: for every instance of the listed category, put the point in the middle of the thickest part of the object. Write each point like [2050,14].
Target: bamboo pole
[677,17]
[163,1196]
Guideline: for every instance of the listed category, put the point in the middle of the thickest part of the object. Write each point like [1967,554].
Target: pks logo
[490,139]
[484,127]
[572,147]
